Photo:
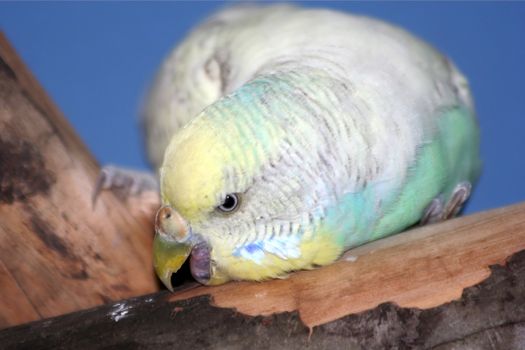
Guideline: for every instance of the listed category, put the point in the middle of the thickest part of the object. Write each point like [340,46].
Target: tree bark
[490,315]
[58,253]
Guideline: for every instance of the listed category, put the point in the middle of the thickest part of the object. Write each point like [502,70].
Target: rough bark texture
[58,254]
[490,315]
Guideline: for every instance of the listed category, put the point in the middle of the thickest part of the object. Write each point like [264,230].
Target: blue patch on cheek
[284,248]
[252,251]
[252,248]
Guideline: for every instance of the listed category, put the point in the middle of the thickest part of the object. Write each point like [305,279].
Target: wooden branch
[57,253]
[489,315]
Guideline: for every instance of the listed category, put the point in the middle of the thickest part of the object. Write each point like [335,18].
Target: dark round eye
[231,202]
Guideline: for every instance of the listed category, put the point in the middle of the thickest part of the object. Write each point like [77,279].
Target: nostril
[170,224]
[164,212]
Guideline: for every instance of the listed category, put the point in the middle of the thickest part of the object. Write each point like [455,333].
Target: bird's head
[202,187]
[238,189]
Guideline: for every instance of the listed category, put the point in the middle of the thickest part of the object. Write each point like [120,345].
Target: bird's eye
[231,202]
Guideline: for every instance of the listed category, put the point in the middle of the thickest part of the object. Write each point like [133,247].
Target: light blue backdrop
[96,59]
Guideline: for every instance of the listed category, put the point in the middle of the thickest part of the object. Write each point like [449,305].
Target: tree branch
[57,253]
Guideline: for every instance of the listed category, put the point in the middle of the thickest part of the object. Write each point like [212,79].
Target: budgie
[285,136]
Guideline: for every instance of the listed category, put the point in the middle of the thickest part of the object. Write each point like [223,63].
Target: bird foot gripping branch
[124,182]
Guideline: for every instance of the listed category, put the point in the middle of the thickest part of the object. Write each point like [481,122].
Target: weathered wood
[490,315]
[57,253]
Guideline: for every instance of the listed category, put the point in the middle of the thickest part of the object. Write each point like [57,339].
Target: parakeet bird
[285,136]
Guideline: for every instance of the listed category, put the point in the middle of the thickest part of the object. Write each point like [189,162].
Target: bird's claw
[123,182]
[436,211]
[459,196]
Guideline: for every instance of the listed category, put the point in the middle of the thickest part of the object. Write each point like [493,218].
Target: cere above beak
[172,243]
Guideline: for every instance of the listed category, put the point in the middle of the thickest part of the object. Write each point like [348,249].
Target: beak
[172,244]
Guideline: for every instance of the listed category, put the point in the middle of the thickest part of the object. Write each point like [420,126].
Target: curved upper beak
[172,244]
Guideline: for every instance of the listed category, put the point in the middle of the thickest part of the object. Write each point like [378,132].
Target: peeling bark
[490,315]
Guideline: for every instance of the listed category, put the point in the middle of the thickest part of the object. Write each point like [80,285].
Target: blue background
[96,60]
